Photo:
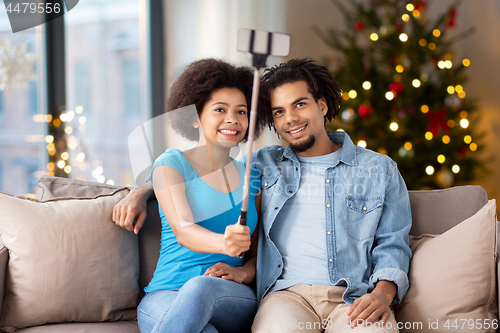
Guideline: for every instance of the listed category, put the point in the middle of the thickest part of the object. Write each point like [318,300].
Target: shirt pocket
[269,190]
[363,215]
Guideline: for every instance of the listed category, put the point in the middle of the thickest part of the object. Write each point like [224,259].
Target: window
[22,127]
[131,88]
[104,88]
[82,85]
[33,98]
[1,106]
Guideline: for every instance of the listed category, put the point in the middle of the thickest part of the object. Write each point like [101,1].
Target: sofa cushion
[57,187]
[452,276]
[68,262]
[428,214]
[149,236]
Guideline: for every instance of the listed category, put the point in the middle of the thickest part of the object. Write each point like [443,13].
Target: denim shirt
[368,217]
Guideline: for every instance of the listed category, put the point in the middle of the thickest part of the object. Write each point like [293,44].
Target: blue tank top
[212,210]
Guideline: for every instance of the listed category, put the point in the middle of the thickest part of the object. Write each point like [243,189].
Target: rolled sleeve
[395,275]
[391,252]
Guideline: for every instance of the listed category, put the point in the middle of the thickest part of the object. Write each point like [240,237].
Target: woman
[200,282]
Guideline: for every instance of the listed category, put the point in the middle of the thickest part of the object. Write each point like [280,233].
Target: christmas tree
[403,90]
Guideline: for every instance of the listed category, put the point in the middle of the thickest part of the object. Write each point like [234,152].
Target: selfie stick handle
[251,131]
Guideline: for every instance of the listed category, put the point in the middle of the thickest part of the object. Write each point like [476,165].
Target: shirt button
[290,191]
[279,265]
[330,260]
[328,180]
[296,169]
[328,205]
[364,208]
[328,232]
[265,184]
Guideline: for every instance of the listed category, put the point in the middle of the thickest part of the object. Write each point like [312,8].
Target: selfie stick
[260,44]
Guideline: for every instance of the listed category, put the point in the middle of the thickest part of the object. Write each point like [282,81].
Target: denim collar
[347,155]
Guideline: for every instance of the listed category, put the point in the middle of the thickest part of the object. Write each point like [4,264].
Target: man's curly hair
[319,81]
[195,86]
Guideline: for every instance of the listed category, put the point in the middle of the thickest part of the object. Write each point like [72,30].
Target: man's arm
[391,255]
[133,208]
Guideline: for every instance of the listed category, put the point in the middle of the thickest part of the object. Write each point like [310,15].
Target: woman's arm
[131,212]
[246,273]
[169,189]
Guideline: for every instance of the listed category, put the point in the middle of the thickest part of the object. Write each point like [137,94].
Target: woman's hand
[236,239]
[131,212]
[236,274]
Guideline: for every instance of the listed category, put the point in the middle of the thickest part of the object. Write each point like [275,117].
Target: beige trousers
[311,309]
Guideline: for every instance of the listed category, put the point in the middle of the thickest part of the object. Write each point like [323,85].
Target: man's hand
[132,208]
[374,306]
[236,239]
[237,274]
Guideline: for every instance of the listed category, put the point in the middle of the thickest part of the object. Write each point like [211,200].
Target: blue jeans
[203,304]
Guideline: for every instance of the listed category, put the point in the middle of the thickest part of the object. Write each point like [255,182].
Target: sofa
[58,276]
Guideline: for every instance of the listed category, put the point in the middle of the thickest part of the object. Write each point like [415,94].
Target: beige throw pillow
[68,262]
[452,279]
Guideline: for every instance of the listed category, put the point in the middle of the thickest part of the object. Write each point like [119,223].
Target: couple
[332,219]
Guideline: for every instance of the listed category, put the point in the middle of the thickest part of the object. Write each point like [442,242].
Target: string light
[466,62]
[353,94]
[432,46]
[49,139]
[424,77]
[429,170]
[422,42]
[455,168]
[394,126]
[446,139]
[461,94]
[441,158]
[448,64]
[382,151]
[416,83]
[467,139]
[65,156]
[403,37]
[61,164]
[374,37]
[464,123]
[80,157]
[441,64]
[340,130]
[405,17]
[67,169]
[436,32]
[451,123]
[367,85]
[473,146]
[408,146]
[400,68]
[79,109]
[424,108]
[345,96]
[389,95]
[450,90]
[362,143]
[428,135]
[463,114]
[416,13]
[459,88]
[410,7]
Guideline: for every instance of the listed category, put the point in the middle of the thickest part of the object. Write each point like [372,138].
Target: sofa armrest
[4,256]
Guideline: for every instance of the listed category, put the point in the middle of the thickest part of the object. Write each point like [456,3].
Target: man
[333,247]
